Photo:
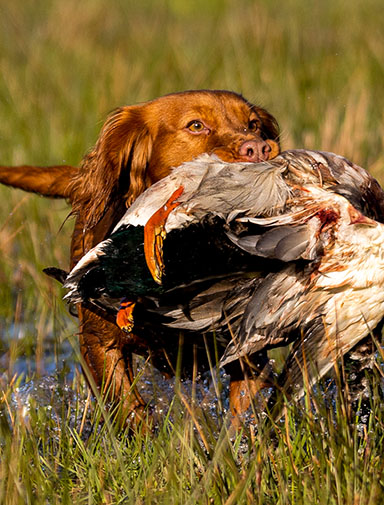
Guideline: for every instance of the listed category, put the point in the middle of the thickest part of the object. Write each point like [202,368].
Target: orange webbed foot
[124,318]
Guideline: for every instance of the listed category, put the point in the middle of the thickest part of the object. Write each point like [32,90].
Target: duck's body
[190,224]
[287,250]
[325,306]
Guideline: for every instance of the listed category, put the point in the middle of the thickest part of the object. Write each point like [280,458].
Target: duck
[260,255]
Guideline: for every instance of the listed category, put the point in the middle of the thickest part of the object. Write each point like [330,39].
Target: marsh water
[47,379]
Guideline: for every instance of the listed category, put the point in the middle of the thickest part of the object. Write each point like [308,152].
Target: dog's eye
[196,126]
[253,125]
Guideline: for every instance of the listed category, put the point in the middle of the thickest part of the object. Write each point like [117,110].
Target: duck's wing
[271,316]
[285,299]
[298,233]
[215,307]
[250,305]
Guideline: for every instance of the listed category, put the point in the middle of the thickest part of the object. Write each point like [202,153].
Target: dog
[138,145]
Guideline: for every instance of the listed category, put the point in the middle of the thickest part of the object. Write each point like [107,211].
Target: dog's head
[140,144]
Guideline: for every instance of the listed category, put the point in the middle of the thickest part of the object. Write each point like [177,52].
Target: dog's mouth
[275,149]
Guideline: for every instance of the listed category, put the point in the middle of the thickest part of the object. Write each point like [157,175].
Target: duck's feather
[261,254]
[212,186]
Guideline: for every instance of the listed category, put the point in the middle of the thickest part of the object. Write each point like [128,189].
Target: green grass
[317,455]
[318,67]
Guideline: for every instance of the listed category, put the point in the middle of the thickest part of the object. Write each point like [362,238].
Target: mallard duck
[265,254]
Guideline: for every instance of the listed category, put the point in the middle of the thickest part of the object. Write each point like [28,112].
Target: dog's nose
[255,150]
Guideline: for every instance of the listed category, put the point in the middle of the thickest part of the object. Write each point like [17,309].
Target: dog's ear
[116,167]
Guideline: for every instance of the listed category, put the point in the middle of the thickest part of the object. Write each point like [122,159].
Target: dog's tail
[53,182]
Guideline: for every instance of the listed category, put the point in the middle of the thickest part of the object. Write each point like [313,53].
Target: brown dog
[138,145]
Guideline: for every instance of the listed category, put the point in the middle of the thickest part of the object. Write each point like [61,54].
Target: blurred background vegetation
[317,66]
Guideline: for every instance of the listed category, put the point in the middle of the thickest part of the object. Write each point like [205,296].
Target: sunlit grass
[61,452]
[318,67]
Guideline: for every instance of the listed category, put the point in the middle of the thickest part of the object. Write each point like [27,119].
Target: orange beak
[154,235]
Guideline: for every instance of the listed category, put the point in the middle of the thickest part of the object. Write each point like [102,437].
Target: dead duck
[303,238]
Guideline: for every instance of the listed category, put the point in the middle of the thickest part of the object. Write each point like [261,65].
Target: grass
[317,66]
[317,455]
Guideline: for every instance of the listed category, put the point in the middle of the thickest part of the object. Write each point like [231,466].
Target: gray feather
[268,242]
[293,245]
